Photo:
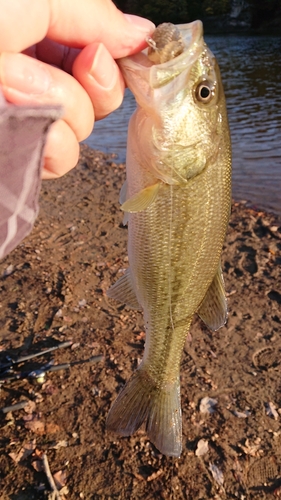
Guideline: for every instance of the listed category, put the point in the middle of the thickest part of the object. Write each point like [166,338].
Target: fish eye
[204,92]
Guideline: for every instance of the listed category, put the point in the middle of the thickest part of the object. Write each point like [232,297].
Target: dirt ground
[52,290]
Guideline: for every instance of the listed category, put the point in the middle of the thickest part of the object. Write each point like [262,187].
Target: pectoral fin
[141,200]
[123,291]
[213,310]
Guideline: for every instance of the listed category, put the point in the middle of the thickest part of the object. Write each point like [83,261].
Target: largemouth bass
[177,203]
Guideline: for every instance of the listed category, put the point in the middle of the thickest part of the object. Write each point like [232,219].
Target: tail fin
[140,401]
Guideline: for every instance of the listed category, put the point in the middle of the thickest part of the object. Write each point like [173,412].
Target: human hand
[63,53]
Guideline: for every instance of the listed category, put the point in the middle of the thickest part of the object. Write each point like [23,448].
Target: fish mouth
[140,67]
[192,35]
[192,30]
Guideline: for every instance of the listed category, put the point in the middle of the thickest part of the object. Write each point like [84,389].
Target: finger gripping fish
[176,200]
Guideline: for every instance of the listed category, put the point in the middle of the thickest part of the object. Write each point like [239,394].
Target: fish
[176,199]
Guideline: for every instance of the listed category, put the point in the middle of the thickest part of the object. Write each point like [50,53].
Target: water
[251,71]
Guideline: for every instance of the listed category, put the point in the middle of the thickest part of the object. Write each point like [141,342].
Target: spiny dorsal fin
[141,200]
[123,291]
[213,310]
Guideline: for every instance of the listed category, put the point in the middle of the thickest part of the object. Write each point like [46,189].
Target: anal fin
[213,310]
[123,291]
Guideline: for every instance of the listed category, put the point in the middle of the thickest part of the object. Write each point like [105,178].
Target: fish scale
[177,200]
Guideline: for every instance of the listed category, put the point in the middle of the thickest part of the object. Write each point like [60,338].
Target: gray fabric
[23,132]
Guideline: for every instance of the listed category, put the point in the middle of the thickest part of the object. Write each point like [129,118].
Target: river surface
[251,72]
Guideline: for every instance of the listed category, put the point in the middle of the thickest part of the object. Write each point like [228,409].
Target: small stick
[50,477]
[17,406]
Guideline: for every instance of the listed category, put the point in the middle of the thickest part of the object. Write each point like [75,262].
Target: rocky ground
[52,290]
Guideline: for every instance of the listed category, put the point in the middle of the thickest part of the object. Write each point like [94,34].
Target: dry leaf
[60,479]
[202,447]
[207,405]
[242,414]
[35,424]
[271,410]
[8,271]
[26,450]
[217,474]
[60,444]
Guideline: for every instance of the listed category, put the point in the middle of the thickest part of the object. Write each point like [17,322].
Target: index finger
[23,23]
[76,23]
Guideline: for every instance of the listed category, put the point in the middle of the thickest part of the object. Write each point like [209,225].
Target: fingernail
[104,69]
[141,23]
[23,73]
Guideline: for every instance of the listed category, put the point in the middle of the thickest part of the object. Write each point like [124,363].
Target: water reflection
[251,69]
